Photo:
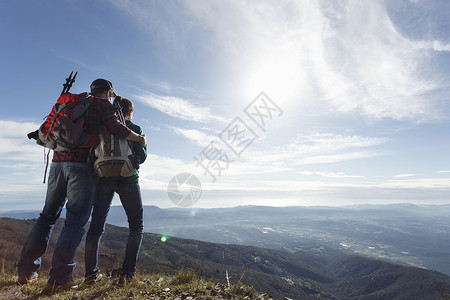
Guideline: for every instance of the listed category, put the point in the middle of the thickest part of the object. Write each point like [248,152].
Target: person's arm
[134,137]
[113,125]
[138,150]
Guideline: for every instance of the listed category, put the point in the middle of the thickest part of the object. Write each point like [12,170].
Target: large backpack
[114,155]
[64,127]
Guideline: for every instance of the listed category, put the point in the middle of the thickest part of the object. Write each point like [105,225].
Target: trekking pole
[69,82]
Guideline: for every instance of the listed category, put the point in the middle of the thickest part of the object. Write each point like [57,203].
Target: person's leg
[37,242]
[130,196]
[80,193]
[102,202]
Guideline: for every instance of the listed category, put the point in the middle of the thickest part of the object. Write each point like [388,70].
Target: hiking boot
[125,280]
[91,279]
[51,288]
[28,279]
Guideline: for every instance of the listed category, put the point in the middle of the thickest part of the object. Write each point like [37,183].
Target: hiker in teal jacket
[130,195]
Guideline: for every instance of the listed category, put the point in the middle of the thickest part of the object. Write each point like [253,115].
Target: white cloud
[317,149]
[177,107]
[164,86]
[404,175]
[198,137]
[152,184]
[15,145]
[154,128]
[306,150]
[312,149]
[161,166]
[433,45]
[329,174]
[349,51]
[346,54]
[425,183]
[339,157]
[329,141]
[22,188]
[324,187]
[371,68]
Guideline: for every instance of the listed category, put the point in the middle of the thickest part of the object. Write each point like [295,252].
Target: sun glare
[278,74]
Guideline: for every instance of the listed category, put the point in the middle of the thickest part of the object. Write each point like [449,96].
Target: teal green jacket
[140,151]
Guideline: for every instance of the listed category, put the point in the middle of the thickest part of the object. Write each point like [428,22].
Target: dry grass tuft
[185,284]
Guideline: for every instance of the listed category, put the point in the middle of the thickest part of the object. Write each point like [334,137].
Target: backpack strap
[118,108]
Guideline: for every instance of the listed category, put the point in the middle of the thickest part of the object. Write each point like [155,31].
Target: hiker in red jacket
[71,178]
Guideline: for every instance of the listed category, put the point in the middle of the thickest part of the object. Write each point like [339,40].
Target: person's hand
[143,140]
[134,137]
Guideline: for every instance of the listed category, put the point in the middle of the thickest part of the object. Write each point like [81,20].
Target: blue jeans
[130,196]
[76,182]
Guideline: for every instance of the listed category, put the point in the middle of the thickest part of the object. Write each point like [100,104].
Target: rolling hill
[302,274]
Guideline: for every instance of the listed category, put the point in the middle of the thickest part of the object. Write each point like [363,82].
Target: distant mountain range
[302,274]
[406,234]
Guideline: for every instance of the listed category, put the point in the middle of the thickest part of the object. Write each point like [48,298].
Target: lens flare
[193,212]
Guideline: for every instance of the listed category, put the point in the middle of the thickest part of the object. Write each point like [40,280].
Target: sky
[276,103]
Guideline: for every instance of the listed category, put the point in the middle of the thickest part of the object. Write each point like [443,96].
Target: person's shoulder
[101,101]
[136,128]
[102,105]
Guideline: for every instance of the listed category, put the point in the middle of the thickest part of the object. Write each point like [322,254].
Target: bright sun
[278,74]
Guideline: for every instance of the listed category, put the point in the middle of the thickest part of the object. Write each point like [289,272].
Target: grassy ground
[183,285]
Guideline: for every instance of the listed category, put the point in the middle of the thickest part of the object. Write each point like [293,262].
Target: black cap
[101,85]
